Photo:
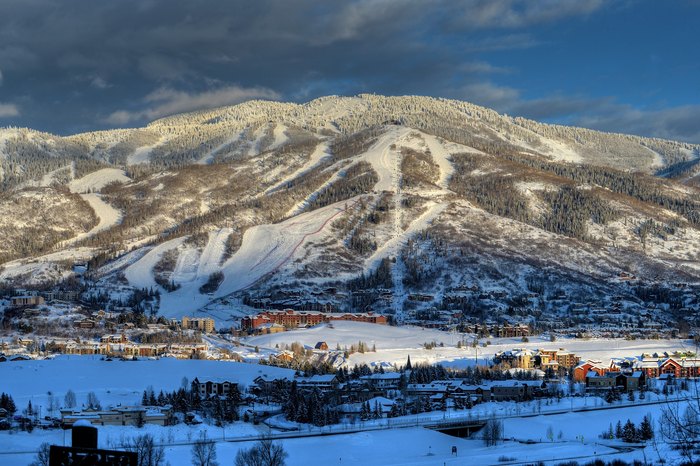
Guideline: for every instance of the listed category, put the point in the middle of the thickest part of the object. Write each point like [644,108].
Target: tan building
[121,416]
[203,324]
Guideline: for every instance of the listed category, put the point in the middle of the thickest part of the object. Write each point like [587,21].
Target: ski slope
[383,158]
[207,158]
[321,152]
[95,181]
[265,250]
[141,155]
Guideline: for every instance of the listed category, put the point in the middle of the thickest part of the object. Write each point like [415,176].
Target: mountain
[408,205]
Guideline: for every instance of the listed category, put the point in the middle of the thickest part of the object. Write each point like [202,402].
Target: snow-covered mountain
[367,202]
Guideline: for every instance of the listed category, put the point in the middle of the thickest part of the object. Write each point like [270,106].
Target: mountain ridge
[367,193]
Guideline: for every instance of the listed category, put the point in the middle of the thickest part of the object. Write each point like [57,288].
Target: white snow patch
[95,181]
[141,155]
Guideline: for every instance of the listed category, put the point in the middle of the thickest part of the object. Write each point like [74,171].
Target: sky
[632,66]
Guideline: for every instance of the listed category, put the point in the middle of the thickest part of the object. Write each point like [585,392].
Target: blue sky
[619,65]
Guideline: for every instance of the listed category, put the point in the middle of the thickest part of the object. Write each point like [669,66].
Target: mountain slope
[375,198]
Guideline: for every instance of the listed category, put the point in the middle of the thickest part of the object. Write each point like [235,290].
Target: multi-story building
[203,324]
[207,388]
[295,319]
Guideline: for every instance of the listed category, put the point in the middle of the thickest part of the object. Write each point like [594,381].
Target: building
[582,369]
[27,300]
[322,382]
[386,381]
[294,319]
[203,324]
[321,345]
[213,387]
[513,390]
[121,416]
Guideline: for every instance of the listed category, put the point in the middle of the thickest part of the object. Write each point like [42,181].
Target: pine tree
[629,432]
[618,430]
[646,431]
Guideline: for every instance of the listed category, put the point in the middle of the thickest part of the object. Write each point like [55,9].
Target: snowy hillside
[408,205]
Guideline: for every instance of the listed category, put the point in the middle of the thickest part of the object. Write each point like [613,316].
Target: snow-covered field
[395,344]
[575,434]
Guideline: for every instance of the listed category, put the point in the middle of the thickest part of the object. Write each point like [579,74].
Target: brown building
[295,319]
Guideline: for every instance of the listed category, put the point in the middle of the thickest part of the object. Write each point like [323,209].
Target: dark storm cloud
[77,65]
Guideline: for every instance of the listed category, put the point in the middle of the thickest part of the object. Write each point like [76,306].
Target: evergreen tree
[618,430]
[646,430]
[629,432]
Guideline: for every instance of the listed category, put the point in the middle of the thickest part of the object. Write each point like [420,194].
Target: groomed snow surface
[264,250]
[575,434]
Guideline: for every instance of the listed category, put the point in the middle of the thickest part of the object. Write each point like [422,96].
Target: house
[632,381]
[213,387]
[322,382]
[512,390]
[386,381]
[290,318]
[321,345]
[596,382]
[671,366]
[85,323]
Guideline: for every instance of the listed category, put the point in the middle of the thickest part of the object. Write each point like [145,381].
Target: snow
[267,248]
[383,158]
[107,216]
[207,158]
[117,381]
[141,155]
[264,250]
[95,181]
[395,344]
[280,137]
[442,158]
[316,156]
[140,273]
[394,245]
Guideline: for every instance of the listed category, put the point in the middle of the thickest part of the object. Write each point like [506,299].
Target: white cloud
[99,83]
[490,95]
[8,110]
[166,101]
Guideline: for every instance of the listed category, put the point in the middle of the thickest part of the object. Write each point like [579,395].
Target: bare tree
[69,400]
[42,456]
[52,404]
[204,452]
[148,452]
[680,424]
[263,453]
[492,432]
[93,402]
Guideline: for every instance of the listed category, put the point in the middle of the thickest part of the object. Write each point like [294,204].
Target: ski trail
[107,217]
[320,153]
[207,158]
[442,157]
[213,251]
